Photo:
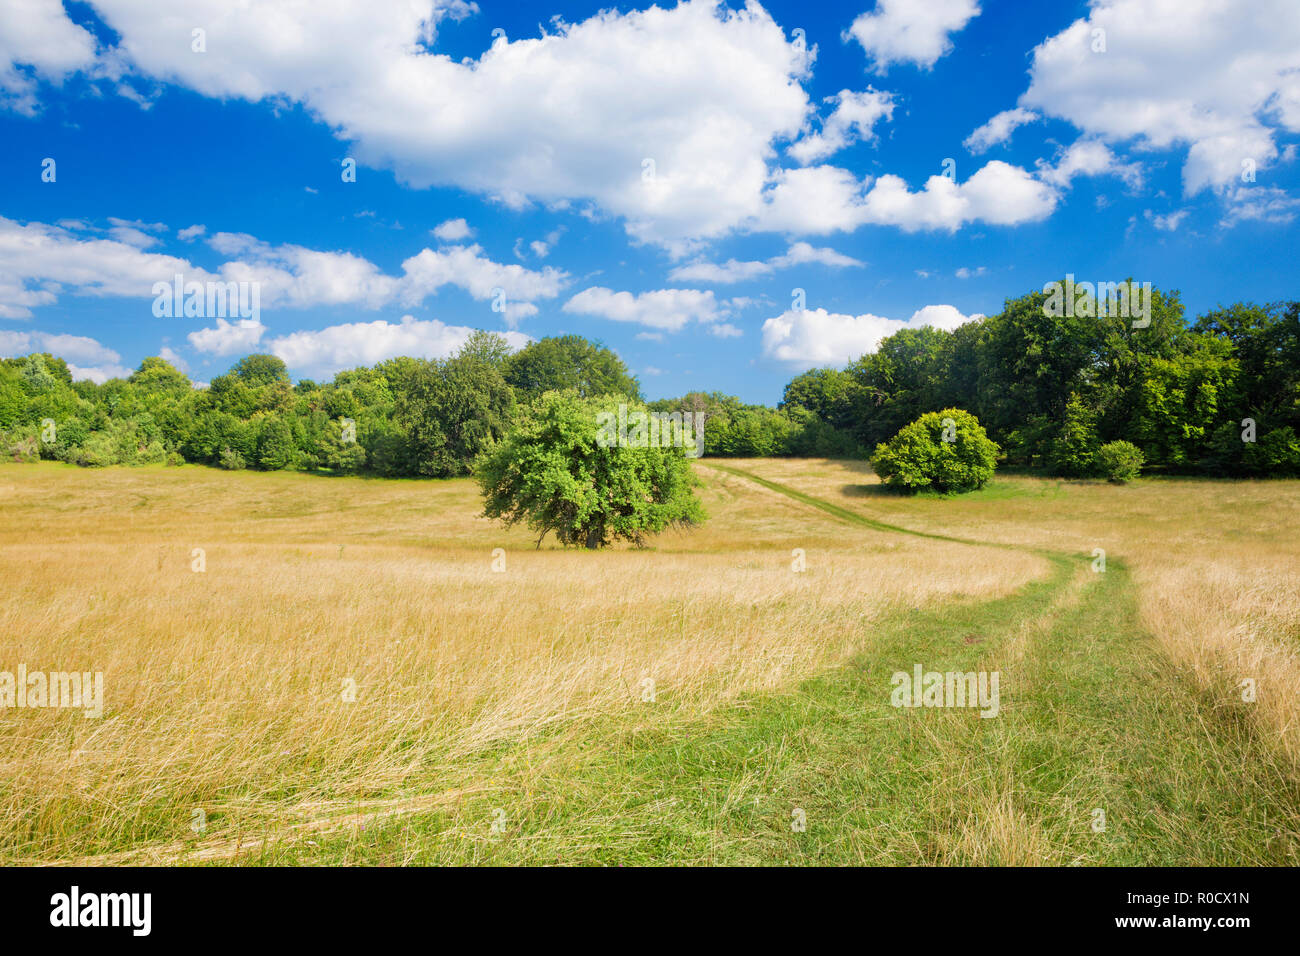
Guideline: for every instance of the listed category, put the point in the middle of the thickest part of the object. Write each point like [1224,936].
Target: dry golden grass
[224,689]
[1217,563]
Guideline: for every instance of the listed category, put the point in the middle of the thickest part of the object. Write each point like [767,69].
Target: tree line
[1219,395]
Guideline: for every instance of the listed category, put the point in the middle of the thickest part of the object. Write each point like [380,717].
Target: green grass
[1093,716]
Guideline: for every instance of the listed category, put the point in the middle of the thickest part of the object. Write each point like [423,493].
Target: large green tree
[553,473]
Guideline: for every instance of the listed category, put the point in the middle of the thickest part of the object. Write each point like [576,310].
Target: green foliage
[275,447]
[1276,453]
[1119,461]
[454,411]
[564,362]
[551,473]
[945,451]
[231,460]
[339,452]
[1051,390]
[254,370]
[1074,452]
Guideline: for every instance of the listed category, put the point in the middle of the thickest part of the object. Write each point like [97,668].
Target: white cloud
[734,270]
[1169,222]
[467,268]
[817,337]
[823,199]
[191,232]
[134,232]
[1215,76]
[228,338]
[1259,204]
[87,358]
[169,355]
[38,262]
[453,230]
[98,374]
[998,129]
[326,351]
[38,34]
[853,119]
[668,309]
[911,31]
[1088,157]
[703,90]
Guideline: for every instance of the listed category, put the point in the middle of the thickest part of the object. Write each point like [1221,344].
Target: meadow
[357,675]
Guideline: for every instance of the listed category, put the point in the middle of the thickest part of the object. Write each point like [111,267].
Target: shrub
[231,460]
[1120,461]
[946,451]
[553,473]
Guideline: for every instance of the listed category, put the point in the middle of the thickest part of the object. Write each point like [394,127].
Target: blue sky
[1162,147]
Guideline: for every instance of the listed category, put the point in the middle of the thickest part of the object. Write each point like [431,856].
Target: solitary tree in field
[943,451]
[552,473]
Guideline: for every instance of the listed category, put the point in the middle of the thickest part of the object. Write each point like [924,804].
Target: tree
[568,361]
[1119,461]
[552,473]
[1074,452]
[454,411]
[158,375]
[275,447]
[946,451]
[254,370]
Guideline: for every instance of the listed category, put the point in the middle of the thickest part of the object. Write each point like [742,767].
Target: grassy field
[349,680]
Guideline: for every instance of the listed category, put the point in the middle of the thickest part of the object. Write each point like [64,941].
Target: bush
[1120,461]
[555,471]
[231,460]
[946,451]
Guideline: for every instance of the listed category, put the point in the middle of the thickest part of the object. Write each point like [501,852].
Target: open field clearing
[225,689]
[349,681]
[1216,564]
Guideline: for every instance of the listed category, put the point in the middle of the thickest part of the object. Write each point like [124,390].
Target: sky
[724,194]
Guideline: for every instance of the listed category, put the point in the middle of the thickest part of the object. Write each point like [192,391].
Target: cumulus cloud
[998,129]
[170,355]
[1266,204]
[911,31]
[38,35]
[812,337]
[1088,157]
[228,338]
[468,268]
[453,230]
[87,358]
[1217,77]
[38,262]
[702,90]
[323,352]
[733,270]
[853,119]
[824,199]
[667,309]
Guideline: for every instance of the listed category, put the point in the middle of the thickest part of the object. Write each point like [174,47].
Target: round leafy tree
[945,451]
[1120,461]
[557,471]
